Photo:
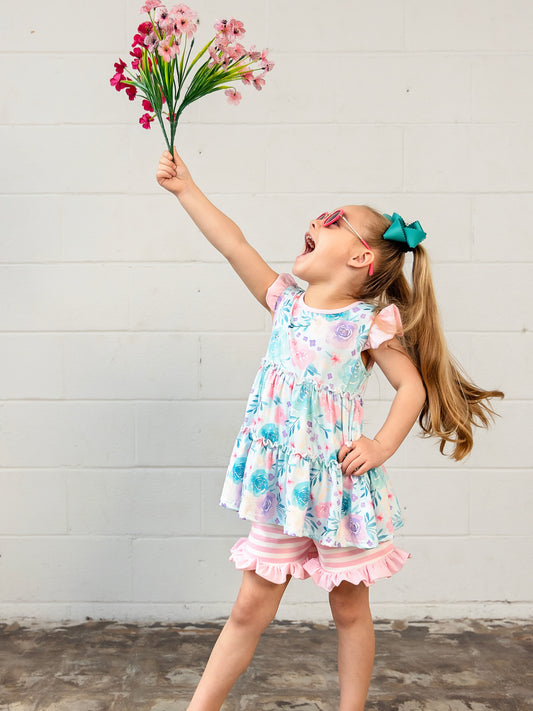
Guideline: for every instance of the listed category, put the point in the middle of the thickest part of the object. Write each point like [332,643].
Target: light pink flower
[220,26]
[184,26]
[247,77]
[233,95]
[259,82]
[237,52]
[184,10]
[266,64]
[235,29]
[254,56]
[150,5]
[168,48]
[151,41]
[216,56]
[146,120]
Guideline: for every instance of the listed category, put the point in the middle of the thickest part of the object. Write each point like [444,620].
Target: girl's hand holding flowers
[172,173]
[360,456]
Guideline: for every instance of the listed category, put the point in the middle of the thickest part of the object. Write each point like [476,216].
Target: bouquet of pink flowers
[162,67]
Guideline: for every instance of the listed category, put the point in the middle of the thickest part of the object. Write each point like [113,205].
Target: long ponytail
[454,404]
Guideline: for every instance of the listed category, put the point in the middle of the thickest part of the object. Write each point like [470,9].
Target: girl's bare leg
[254,609]
[355,629]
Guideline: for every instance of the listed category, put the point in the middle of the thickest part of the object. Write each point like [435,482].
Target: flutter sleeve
[276,289]
[386,325]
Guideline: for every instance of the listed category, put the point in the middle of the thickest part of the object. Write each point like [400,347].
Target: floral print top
[305,402]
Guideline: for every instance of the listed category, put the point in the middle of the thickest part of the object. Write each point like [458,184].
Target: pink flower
[145,28]
[233,95]
[150,5]
[137,53]
[120,66]
[235,29]
[147,106]
[117,81]
[237,52]
[259,82]
[151,41]
[254,56]
[167,48]
[247,77]
[184,10]
[131,91]
[216,56]
[184,20]
[267,65]
[146,120]
[220,26]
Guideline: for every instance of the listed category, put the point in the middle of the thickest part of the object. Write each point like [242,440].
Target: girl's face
[329,250]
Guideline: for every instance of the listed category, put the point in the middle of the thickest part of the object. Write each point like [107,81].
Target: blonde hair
[454,404]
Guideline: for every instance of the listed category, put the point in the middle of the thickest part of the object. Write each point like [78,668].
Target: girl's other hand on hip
[361,455]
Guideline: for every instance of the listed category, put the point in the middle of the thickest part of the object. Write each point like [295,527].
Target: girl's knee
[257,603]
[349,604]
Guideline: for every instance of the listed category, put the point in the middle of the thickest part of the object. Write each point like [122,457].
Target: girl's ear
[363,259]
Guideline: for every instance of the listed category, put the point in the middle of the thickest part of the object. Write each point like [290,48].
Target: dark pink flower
[147,106]
[137,53]
[145,28]
[118,81]
[233,95]
[131,91]
[120,66]
[146,120]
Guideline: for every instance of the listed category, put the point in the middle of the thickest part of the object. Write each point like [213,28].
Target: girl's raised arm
[217,227]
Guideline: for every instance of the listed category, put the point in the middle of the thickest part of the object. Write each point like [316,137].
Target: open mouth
[309,244]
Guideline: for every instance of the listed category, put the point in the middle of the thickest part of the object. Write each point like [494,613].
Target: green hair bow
[411,234]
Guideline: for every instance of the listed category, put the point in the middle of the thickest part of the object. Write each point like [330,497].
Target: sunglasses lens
[321,217]
[332,217]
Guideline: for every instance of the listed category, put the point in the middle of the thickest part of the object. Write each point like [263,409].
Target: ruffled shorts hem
[266,551]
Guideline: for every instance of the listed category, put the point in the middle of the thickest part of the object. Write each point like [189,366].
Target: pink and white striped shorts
[273,555]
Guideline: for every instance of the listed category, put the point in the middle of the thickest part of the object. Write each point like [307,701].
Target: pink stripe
[295,550]
[289,541]
[351,560]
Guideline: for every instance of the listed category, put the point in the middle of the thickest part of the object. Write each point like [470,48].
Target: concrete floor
[461,665]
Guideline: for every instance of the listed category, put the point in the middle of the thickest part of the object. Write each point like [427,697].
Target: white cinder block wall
[128,346]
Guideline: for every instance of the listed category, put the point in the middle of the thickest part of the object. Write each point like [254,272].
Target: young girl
[301,470]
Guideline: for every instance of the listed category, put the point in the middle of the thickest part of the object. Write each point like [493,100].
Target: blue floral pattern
[305,402]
